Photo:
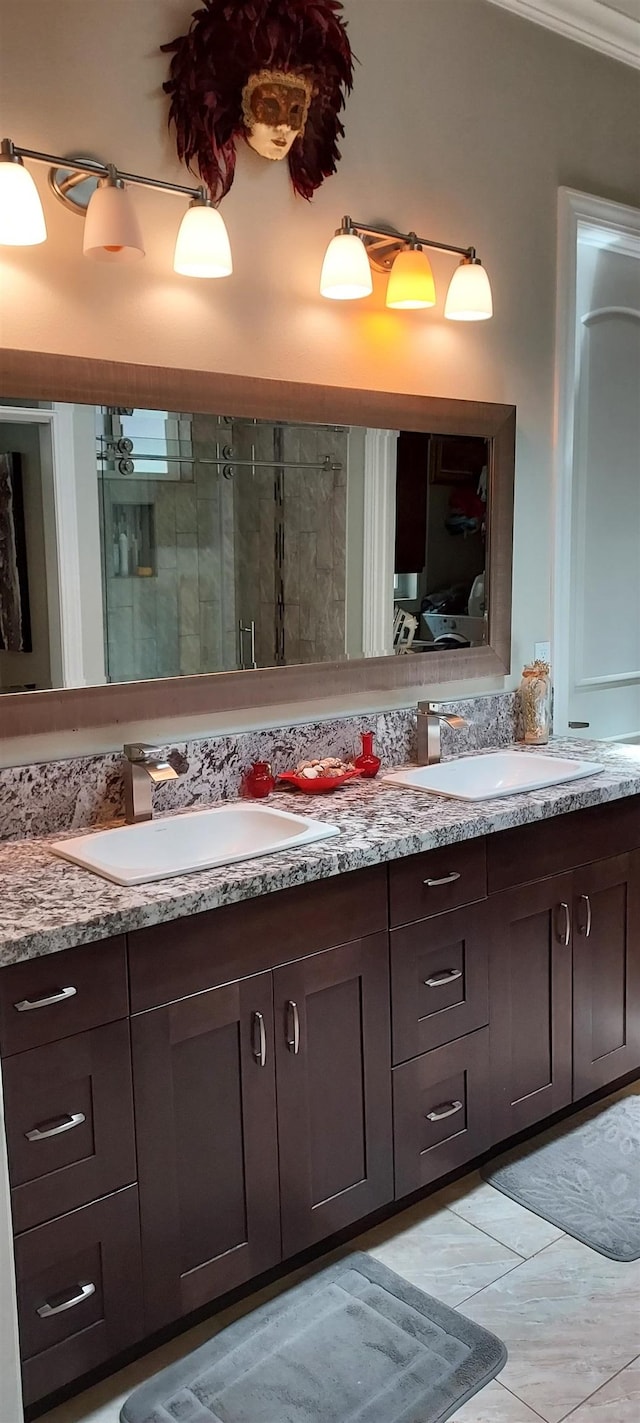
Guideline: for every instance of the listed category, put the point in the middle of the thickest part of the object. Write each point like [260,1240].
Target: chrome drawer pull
[260,1052]
[439,979]
[448,1109]
[59,1124]
[293,1018]
[26,1004]
[446,879]
[586,927]
[66,1302]
[566,934]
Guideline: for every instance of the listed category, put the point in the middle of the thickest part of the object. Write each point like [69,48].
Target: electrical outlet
[542,651]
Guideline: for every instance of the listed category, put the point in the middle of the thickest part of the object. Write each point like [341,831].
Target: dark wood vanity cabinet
[565,974]
[263,1105]
[440,1012]
[606,972]
[64,1039]
[228,1102]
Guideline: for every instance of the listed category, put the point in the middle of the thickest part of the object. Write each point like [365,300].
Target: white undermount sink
[497,773]
[198,840]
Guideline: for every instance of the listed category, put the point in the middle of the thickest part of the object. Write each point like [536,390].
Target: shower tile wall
[314,565]
[182,619]
[308,563]
[254,493]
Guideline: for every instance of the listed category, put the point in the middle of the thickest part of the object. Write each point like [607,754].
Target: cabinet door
[204,1090]
[606,972]
[530,1003]
[334,1089]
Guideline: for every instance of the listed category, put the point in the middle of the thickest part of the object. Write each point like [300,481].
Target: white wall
[463,122]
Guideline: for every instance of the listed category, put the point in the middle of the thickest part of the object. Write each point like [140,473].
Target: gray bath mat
[354,1342]
[586,1181]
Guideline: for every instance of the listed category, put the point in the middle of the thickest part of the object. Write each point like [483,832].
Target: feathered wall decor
[275,72]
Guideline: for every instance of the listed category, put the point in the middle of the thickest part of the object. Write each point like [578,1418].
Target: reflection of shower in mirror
[329,543]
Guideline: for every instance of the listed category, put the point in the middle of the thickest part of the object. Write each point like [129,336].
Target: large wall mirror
[288,541]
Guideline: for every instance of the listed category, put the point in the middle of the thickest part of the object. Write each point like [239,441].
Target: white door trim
[379,541]
[63,565]
[585,216]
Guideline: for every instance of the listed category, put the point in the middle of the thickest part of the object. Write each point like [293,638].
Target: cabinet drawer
[441,1111]
[69,1123]
[172,961]
[534,852]
[439,979]
[79,1292]
[44,999]
[440,879]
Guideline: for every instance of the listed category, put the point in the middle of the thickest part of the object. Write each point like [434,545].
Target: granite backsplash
[52,796]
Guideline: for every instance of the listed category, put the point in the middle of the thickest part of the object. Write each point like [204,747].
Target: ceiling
[611,26]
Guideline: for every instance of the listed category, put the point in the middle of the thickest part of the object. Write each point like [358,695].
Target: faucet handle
[451,718]
[140,753]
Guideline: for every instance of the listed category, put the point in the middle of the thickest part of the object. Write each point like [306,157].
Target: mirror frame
[36,376]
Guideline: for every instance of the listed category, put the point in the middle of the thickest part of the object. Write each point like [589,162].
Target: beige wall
[463,122]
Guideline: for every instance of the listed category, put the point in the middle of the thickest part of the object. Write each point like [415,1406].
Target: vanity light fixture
[112,231]
[357,247]
[22,221]
[411,285]
[111,228]
[202,245]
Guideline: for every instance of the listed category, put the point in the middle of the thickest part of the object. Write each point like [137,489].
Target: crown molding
[587,21]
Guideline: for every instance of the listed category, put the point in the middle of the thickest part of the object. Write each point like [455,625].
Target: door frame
[601,222]
[61,515]
[380,457]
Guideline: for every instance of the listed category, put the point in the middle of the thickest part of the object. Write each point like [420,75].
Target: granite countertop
[47,904]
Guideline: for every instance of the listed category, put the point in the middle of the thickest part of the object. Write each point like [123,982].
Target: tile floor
[569,1317]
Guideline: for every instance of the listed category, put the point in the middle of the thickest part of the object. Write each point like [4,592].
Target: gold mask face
[274,108]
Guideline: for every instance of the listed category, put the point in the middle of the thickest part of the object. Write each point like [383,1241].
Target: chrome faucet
[429,726]
[144,767]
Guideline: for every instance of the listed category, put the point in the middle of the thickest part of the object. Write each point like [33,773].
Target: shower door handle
[250,632]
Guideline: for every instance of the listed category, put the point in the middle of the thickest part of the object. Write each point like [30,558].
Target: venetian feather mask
[274,72]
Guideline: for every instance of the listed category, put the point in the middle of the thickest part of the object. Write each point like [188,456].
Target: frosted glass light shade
[111,228]
[202,245]
[22,221]
[411,285]
[469,295]
[346,274]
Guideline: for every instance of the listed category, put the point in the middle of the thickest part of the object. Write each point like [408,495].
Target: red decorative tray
[318,785]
